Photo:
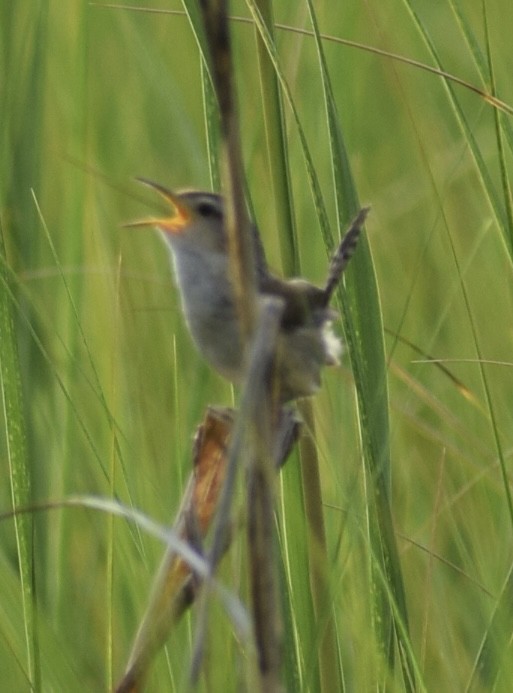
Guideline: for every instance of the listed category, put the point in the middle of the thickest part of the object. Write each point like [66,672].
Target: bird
[196,236]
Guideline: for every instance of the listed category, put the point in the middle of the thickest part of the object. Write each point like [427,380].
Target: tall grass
[111,389]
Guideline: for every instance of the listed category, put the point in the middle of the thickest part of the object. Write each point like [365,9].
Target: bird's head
[197,218]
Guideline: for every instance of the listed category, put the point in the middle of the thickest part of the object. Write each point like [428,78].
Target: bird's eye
[209,210]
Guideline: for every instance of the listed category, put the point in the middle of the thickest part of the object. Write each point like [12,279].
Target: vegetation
[102,390]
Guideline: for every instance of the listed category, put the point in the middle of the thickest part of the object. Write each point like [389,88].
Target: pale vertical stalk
[261,482]
[259,420]
[215,21]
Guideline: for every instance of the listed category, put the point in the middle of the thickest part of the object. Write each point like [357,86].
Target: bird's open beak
[173,224]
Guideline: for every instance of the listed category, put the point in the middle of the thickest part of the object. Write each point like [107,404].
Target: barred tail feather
[344,253]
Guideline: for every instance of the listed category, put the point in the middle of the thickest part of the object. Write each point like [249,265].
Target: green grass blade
[486,179]
[364,330]
[313,179]
[326,670]
[276,146]
[19,466]
[501,125]
[483,65]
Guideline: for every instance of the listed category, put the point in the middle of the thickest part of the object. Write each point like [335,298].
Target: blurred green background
[113,390]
